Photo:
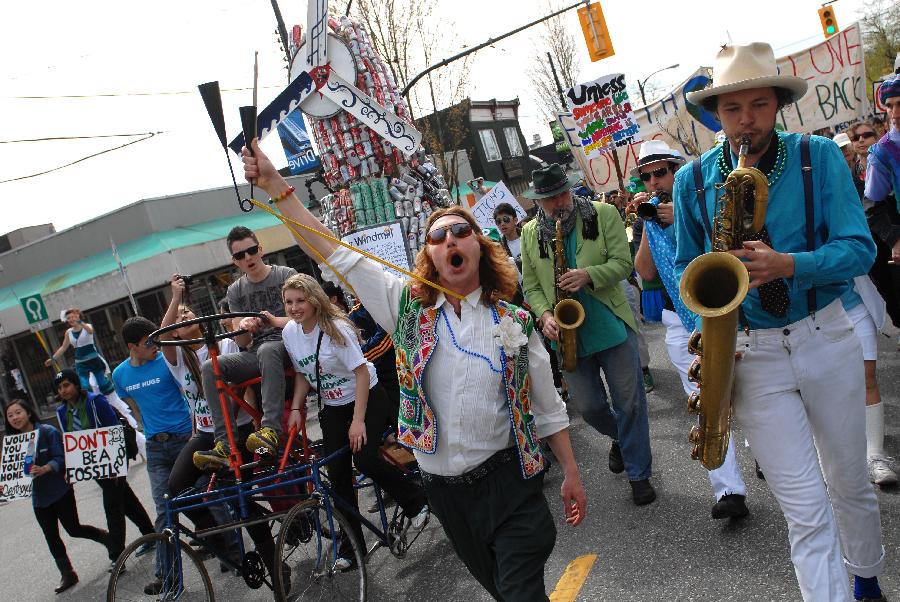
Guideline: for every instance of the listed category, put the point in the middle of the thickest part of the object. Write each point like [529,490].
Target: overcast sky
[150,56]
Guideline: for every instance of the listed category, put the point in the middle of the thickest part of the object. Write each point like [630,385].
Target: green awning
[464,189]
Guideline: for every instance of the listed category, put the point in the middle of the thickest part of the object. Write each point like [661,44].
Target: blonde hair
[497,276]
[327,313]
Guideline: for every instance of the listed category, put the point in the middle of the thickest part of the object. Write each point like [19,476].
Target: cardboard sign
[14,485]
[483,210]
[95,454]
[385,241]
[603,114]
[876,88]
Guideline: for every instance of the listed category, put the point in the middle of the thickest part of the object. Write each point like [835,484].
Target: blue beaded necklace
[496,320]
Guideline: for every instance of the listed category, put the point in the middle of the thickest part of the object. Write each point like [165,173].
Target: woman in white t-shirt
[324,348]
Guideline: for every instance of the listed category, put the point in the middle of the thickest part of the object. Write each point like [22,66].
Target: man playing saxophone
[596,253]
[799,382]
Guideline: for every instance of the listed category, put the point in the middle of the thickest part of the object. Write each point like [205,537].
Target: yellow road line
[573,579]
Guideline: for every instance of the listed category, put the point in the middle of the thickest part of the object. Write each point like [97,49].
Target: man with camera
[656,167]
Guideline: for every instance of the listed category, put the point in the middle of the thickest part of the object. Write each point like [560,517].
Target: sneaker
[154,588]
[213,459]
[344,564]
[419,520]
[881,471]
[263,441]
[731,505]
[649,385]
[642,492]
[616,463]
[145,549]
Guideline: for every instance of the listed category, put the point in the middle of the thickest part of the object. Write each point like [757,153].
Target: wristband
[290,190]
[296,409]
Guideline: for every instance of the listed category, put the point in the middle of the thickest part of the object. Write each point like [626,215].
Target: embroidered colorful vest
[414,341]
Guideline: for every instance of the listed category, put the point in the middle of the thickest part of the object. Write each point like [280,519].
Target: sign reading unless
[14,485]
[95,454]
[603,114]
[483,210]
[35,310]
[385,241]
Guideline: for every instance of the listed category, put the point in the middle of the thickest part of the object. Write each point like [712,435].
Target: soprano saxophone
[568,313]
[713,286]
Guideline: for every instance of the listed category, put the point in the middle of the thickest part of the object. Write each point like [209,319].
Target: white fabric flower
[511,334]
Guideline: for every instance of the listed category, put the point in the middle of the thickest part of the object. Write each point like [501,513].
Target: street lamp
[644,81]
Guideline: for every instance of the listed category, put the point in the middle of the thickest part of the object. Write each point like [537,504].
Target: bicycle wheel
[305,544]
[180,576]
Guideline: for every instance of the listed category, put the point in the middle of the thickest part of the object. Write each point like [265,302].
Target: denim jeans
[161,456]
[626,421]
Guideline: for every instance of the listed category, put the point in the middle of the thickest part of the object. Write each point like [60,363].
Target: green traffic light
[830,29]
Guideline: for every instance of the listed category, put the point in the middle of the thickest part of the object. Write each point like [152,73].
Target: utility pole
[282,30]
[562,100]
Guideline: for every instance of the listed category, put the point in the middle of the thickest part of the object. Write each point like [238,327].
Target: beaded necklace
[496,320]
[777,169]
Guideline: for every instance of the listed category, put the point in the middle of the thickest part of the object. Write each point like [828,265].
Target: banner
[484,208]
[603,114]
[295,141]
[385,241]
[836,95]
[14,485]
[95,454]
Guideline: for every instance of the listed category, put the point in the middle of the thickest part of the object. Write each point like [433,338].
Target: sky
[106,68]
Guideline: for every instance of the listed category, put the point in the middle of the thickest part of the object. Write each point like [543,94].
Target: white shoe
[881,471]
[419,520]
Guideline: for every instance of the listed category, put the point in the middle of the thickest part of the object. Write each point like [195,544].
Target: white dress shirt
[470,409]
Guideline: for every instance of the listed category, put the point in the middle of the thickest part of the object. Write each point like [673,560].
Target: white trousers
[726,478]
[799,395]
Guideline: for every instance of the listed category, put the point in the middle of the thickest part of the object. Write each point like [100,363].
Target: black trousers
[502,530]
[887,280]
[64,511]
[119,502]
[335,422]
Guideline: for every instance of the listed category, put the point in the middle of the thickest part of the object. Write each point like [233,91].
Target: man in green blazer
[597,254]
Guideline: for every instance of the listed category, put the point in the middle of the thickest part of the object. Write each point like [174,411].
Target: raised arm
[59,352]
[171,317]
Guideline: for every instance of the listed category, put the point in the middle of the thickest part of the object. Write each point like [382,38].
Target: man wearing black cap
[599,259]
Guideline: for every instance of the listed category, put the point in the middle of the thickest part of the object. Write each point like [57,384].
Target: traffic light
[829,22]
[596,34]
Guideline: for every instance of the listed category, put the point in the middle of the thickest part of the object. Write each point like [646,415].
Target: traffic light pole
[562,100]
[490,41]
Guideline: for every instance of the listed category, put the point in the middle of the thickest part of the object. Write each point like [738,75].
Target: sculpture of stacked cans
[375,182]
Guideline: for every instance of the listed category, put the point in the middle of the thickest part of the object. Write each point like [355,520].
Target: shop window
[512,141]
[489,143]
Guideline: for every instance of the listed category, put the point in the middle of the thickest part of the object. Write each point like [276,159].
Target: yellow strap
[288,222]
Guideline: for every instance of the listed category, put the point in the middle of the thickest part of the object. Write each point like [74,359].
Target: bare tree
[881,38]
[556,39]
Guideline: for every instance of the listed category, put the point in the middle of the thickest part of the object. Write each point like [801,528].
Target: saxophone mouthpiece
[745,145]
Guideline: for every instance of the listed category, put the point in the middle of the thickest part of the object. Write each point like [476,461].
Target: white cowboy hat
[841,139]
[746,67]
[653,151]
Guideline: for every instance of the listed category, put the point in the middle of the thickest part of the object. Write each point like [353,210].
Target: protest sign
[14,485]
[295,141]
[95,454]
[385,241]
[834,72]
[484,208]
[603,114]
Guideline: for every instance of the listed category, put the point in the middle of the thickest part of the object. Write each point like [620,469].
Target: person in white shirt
[324,348]
[475,385]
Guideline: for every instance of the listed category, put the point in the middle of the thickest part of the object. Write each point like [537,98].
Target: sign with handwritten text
[603,114]
[95,454]
[386,241]
[483,210]
[14,484]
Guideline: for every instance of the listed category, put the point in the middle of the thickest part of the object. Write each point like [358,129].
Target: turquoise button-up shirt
[843,244]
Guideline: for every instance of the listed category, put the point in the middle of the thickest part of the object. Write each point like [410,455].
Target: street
[669,550]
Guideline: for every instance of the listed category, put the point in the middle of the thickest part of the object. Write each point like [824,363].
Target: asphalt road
[669,550]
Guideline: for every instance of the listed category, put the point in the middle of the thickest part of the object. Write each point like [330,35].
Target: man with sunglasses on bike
[258,289]
[599,259]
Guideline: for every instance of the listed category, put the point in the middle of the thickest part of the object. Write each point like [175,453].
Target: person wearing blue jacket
[52,497]
[81,410]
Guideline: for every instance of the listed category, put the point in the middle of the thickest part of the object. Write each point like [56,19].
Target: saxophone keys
[694,402]
[695,343]
[695,371]
[696,439]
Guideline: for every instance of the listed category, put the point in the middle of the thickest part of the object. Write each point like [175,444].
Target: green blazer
[607,260]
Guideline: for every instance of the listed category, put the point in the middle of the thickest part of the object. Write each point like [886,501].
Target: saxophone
[713,286]
[568,313]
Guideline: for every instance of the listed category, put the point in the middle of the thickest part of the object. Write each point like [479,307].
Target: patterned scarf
[547,223]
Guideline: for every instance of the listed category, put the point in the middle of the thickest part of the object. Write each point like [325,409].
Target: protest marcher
[258,289]
[88,361]
[52,497]
[598,257]
[862,136]
[656,166]
[80,411]
[324,348]
[507,221]
[481,467]
[378,349]
[799,382]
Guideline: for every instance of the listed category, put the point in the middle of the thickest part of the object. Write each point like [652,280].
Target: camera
[647,210]
[187,279]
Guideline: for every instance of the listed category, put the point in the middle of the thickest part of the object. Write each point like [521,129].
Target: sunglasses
[459,230]
[503,219]
[248,251]
[645,177]
[864,135]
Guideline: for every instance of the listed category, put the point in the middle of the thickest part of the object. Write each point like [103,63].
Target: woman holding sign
[53,499]
[81,411]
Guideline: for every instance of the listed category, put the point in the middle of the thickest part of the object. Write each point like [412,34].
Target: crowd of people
[468,364]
